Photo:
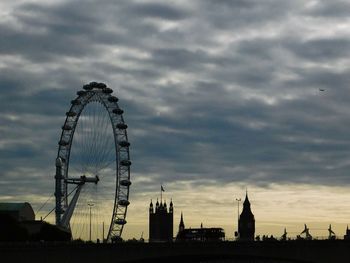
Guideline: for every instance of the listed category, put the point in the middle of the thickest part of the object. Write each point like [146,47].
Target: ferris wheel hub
[82,180]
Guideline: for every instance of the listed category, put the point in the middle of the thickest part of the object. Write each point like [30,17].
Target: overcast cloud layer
[214,92]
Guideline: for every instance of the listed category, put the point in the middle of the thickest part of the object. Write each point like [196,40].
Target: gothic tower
[182,224]
[161,222]
[246,228]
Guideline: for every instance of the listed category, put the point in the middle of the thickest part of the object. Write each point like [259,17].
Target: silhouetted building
[347,233]
[213,234]
[161,222]
[17,223]
[18,211]
[43,231]
[246,227]
[199,234]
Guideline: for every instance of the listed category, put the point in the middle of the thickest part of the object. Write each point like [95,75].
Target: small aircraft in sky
[321,89]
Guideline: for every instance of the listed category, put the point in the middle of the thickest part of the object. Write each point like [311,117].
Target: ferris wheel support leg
[69,212]
[58,191]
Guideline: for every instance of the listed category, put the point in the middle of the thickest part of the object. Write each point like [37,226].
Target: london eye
[92,178]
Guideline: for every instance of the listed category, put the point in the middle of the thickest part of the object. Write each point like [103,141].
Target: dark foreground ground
[325,251]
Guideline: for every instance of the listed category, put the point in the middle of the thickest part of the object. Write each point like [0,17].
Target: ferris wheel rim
[99,92]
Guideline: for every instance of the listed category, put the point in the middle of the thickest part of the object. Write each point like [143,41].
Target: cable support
[62,200]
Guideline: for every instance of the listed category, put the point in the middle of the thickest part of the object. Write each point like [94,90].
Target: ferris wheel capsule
[71,114]
[122,126]
[93,84]
[125,162]
[124,144]
[75,102]
[63,143]
[67,127]
[118,111]
[120,221]
[81,92]
[123,202]
[125,182]
[107,90]
[87,87]
[113,99]
[102,86]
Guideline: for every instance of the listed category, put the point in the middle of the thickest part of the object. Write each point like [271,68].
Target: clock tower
[246,227]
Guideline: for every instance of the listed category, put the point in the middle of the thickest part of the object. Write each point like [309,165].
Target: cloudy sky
[219,96]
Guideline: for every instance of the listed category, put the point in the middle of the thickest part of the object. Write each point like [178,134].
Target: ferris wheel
[93,166]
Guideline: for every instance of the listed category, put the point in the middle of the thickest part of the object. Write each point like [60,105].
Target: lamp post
[90,206]
[238,200]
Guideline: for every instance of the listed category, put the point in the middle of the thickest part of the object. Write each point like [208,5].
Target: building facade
[161,222]
[213,234]
[246,226]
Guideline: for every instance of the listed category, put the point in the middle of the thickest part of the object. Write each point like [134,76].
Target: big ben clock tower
[246,226]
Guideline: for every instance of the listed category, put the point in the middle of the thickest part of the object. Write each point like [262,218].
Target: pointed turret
[151,211]
[181,225]
[171,208]
[247,212]
[246,200]
[164,206]
[157,205]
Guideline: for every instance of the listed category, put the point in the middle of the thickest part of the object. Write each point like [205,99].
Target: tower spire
[171,207]
[151,207]
[181,225]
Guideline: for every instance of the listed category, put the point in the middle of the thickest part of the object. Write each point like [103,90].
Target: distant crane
[141,238]
[306,231]
[284,236]
[331,233]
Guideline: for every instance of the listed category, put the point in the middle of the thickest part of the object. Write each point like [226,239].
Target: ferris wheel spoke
[103,147]
[80,145]
[106,166]
[91,139]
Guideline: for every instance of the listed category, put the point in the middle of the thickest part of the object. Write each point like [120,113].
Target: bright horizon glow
[275,207]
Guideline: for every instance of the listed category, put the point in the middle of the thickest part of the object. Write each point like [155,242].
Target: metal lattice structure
[94,138]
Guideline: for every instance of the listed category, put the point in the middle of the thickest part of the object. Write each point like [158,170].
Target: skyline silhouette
[218,96]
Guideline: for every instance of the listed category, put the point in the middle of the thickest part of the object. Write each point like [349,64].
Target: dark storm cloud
[212,90]
[320,49]
[227,145]
[42,32]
